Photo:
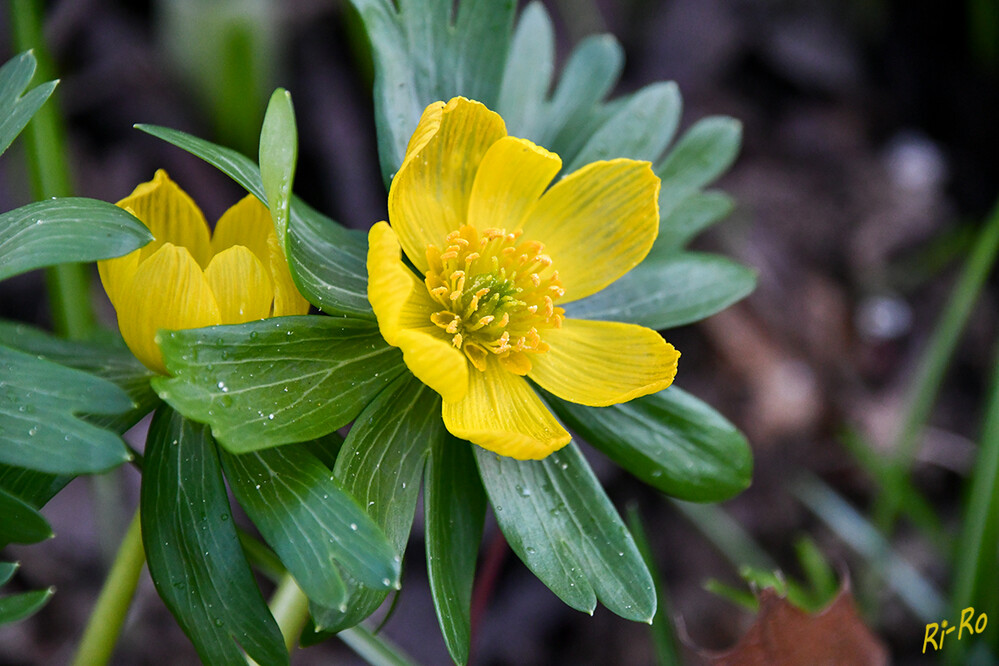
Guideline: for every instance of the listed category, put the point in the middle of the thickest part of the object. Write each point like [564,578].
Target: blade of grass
[914,590]
[913,503]
[727,535]
[663,636]
[976,578]
[69,284]
[934,363]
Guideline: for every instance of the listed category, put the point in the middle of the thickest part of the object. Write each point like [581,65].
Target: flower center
[497,294]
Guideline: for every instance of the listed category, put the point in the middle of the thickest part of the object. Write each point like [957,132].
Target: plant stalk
[108,617]
[290,608]
[69,284]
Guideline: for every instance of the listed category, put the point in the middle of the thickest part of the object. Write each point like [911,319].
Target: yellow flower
[187,277]
[499,250]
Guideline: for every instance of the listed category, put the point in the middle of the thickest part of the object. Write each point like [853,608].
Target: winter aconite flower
[498,252]
[187,277]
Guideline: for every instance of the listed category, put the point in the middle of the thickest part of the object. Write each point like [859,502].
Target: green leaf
[670,440]
[820,576]
[7,571]
[689,218]
[194,555]
[16,110]
[556,517]
[18,607]
[705,152]
[527,75]
[421,56]
[455,508]
[381,465]
[326,448]
[565,120]
[590,74]
[35,488]
[66,230]
[278,154]
[39,428]
[327,261]
[640,130]
[275,381]
[113,362]
[20,523]
[310,522]
[736,595]
[669,290]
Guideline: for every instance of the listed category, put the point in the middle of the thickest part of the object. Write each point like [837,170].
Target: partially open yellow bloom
[187,277]
[498,251]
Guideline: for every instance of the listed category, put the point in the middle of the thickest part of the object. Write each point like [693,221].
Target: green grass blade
[663,637]
[976,577]
[912,588]
[935,362]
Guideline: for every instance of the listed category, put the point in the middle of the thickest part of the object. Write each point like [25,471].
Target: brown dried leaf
[786,635]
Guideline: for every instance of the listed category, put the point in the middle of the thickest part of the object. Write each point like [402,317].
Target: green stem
[934,364]
[109,614]
[68,284]
[290,608]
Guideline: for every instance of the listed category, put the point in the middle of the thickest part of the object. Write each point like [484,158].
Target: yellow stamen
[494,296]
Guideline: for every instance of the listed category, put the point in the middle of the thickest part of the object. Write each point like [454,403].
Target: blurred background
[870,164]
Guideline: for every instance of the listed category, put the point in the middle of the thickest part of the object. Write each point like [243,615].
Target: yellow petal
[430,122]
[168,291]
[597,223]
[287,299]
[511,177]
[247,223]
[601,363]
[241,285]
[502,413]
[116,275]
[429,195]
[171,216]
[403,308]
